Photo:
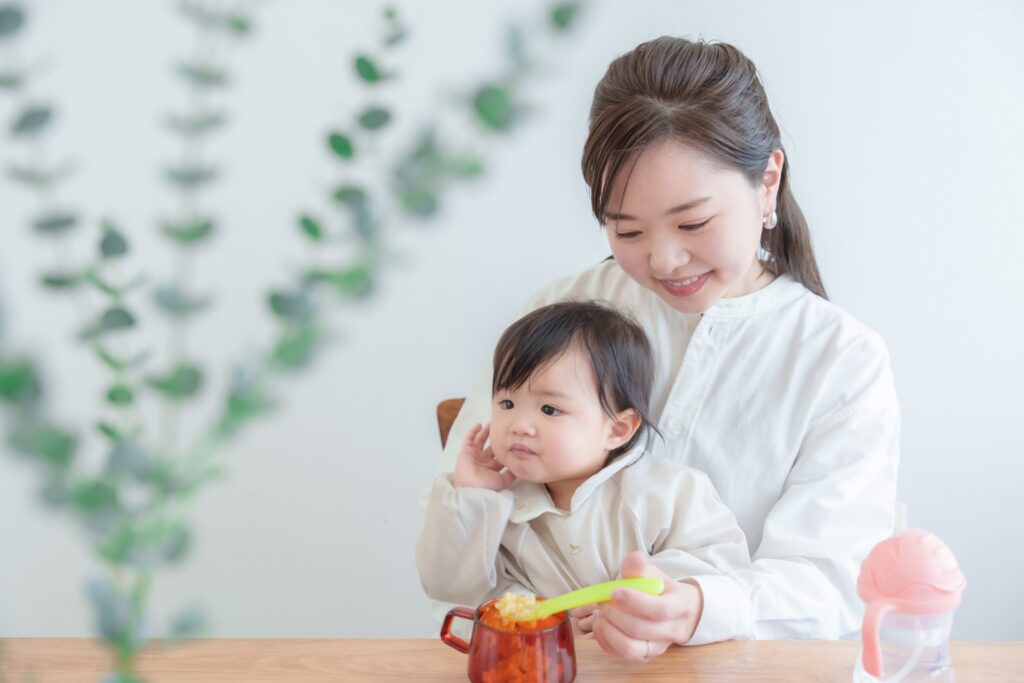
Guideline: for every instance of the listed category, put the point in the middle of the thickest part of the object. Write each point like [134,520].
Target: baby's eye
[549,410]
[506,404]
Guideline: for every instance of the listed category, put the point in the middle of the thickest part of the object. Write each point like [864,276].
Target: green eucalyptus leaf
[493,106]
[421,202]
[244,404]
[311,227]
[296,347]
[374,118]
[128,459]
[195,125]
[18,382]
[188,234]
[294,306]
[341,145]
[120,395]
[61,280]
[11,80]
[51,444]
[113,243]
[180,383]
[38,178]
[350,195]
[113,319]
[563,14]
[202,16]
[12,18]
[354,281]
[368,70]
[32,120]
[110,431]
[54,223]
[189,177]
[177,303]
[463,166]
[95,496]
[203,76]
[120,364]
[160,543]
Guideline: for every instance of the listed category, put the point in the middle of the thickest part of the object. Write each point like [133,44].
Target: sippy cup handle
[872,650]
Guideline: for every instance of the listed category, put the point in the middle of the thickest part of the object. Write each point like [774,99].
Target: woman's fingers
[614,641]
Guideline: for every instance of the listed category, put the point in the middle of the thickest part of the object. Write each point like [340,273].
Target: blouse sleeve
[837,503]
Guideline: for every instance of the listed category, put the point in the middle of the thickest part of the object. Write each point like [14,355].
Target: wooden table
[76,660]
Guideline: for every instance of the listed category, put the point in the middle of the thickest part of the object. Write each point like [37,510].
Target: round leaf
[350,194]
[312,228]
[188,234]
[51,444]
[54,223]
[374,118]
[11,20]
[181,382]
[493,107]
[18,382]
[32,120]
[367,69]
[341,145]
[563,15]
[113,243]
[120,395]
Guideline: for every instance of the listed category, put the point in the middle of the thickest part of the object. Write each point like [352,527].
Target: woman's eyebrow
[675,209]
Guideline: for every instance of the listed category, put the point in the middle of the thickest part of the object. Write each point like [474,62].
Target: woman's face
[689,229]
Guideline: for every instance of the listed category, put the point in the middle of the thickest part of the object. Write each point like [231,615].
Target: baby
[561,486]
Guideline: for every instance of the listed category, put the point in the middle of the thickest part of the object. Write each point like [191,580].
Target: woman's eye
[506,404]
[627,235]
[549,410]
[694,226]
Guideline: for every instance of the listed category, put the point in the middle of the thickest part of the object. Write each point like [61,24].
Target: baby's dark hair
[618,350]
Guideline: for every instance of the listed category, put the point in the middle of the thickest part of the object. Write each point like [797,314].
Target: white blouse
[787,403]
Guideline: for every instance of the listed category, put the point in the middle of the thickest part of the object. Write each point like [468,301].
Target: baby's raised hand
[476,466]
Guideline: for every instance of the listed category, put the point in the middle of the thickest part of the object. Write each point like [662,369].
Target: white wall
[902,122]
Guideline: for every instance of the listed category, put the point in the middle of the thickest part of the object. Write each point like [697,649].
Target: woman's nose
[668,255]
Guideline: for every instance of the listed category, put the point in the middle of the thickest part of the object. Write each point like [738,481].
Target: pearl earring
[770,222]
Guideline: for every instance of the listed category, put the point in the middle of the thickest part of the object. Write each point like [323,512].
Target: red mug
[540,652]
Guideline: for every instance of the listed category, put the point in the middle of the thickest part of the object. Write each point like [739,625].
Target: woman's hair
[617,348]
[707,95]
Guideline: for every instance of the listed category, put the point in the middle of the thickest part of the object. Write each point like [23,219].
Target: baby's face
[552,429]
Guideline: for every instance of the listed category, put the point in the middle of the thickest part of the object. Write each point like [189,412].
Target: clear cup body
[915,649]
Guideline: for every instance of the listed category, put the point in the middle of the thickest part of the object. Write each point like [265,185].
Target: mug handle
[450,638]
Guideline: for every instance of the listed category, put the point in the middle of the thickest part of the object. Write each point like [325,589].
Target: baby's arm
[458,553]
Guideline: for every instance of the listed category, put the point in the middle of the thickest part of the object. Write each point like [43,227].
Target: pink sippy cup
[911,584]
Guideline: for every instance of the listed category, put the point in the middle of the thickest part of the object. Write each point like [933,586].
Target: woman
[783,399]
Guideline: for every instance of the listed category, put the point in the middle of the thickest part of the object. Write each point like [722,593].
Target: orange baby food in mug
[503,651]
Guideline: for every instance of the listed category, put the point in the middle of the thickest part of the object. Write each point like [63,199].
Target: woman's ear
[622,428]
[770,181]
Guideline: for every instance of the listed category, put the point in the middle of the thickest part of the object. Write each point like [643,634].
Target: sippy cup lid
[913,571]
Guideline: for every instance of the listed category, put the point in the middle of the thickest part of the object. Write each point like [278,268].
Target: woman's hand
[476,466]
[632,619]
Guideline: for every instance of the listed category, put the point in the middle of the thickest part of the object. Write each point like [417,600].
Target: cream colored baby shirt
[787,403]
[477,543]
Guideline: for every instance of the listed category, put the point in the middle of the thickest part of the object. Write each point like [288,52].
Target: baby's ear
[623,427]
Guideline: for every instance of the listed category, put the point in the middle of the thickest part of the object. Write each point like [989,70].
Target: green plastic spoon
[599,592]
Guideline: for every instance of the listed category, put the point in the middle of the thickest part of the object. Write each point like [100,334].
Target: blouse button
[675,427]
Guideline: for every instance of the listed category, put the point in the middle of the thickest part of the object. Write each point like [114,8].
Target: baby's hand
[476,466]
